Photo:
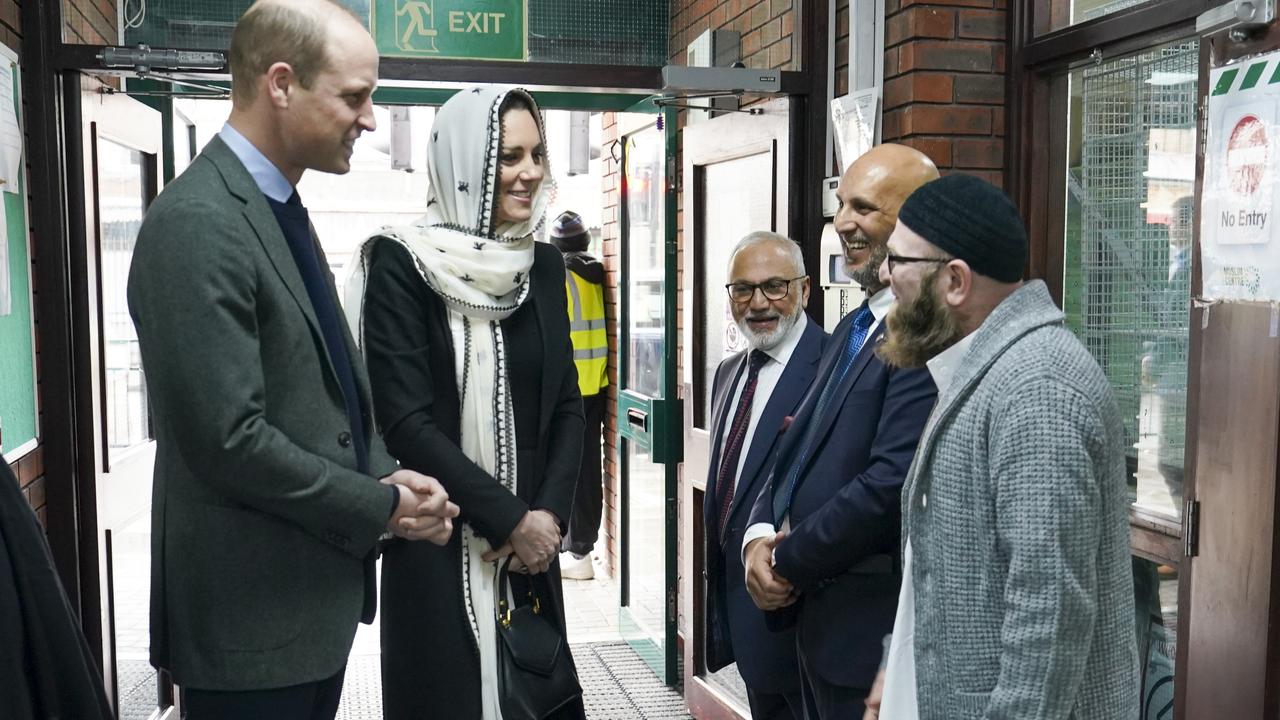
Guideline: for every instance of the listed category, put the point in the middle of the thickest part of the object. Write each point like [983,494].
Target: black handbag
[536,676]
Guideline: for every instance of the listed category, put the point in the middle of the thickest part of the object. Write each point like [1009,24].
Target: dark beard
[868,276]
[920,330]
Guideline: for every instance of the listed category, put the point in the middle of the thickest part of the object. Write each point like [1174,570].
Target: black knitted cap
[970,219]
[569,233]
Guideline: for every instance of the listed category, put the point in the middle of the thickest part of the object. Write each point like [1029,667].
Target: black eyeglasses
[773,289]
[900,259]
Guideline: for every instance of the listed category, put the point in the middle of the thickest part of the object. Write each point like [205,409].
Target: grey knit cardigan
[1017,513]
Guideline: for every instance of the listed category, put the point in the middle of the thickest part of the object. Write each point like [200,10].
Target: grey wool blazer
[1017,512]
[263,532]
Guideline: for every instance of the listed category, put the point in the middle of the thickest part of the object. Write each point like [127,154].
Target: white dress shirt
[766,380]
[899,699]
[880,304]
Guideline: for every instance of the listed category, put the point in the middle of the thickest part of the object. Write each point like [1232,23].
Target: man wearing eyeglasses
[1018,597]
[821,549]
[754,392]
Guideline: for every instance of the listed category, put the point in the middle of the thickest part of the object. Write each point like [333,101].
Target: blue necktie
[862,319]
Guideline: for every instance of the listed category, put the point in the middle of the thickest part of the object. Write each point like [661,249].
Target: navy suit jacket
[842,550]
[735,626]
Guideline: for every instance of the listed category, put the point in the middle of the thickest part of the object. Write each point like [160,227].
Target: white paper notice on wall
[854,119]
[1239,244]
[10,134]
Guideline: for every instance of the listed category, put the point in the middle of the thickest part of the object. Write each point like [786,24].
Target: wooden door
[736,175]
[1229,650]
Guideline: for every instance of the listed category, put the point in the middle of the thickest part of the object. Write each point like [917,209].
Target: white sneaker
[574,568]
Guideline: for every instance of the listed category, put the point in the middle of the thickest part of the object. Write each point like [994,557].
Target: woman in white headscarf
[465,330]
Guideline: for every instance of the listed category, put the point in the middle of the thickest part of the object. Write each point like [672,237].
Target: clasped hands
[535,542]
[771,591]
[424,511]
[768,589]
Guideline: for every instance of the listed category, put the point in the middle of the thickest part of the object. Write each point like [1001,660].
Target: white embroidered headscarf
[479,266]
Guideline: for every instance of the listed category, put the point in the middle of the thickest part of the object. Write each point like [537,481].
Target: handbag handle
[500,586]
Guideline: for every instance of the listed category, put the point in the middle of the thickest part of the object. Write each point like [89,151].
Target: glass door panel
[737,199]
[650,440]
[124,499]
[1127,294]
[1127,282]
[645,608]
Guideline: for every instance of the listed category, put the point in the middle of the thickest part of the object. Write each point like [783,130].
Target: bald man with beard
[821,549]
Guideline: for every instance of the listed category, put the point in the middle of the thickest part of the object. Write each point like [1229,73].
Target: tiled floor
[617,685]
[591,608]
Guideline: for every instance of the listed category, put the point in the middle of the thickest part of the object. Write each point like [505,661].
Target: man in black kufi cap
[1017,593]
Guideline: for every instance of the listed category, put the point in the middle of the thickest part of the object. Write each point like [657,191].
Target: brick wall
[767,28]
[10,24]
[944,90]
[89,22]
[944,65]
[611,237]
[30,473]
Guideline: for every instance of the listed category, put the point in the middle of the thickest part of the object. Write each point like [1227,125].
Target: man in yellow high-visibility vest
[584,284]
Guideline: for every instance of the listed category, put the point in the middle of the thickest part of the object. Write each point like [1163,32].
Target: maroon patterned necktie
[726,477]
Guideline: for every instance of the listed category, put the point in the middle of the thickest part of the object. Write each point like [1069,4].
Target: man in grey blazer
[267,504]
[1018,601]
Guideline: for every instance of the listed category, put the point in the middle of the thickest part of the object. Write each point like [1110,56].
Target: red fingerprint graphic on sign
[1247,153]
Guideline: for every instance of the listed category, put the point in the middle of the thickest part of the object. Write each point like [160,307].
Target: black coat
[48,670]
[429,659]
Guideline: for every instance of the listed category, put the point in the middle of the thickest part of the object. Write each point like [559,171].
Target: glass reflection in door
[647,615]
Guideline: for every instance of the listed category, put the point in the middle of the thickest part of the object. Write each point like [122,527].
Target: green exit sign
[473,29]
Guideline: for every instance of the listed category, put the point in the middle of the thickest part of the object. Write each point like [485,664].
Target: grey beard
[768,341]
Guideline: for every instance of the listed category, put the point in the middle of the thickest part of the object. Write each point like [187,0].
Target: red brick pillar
[611,237]
[944,93]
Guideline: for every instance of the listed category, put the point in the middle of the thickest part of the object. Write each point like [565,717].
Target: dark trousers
[773,706]
[827,701]
[309,701]
[588,497]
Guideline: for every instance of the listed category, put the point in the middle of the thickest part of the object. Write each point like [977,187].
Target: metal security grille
[1128,288]
[605,32]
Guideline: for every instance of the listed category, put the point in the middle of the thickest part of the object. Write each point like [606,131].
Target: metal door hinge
[1190,528]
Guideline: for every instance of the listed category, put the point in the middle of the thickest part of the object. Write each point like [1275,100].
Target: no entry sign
[1247,151]
[1239,249]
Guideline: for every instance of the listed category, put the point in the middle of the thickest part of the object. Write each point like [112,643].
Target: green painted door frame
[653,423]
